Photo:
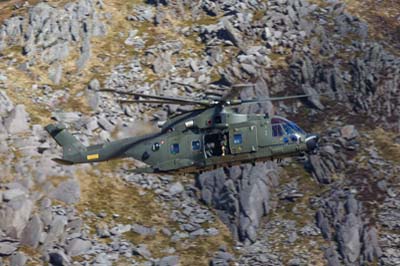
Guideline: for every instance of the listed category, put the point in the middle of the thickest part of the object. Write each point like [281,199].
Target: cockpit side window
[277,130]
[288,126]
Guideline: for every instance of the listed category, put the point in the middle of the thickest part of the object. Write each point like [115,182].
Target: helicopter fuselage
[200,140]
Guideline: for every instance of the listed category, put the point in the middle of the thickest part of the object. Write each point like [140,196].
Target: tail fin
[69,143]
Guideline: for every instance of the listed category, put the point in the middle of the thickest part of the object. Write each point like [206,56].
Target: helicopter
[208,137]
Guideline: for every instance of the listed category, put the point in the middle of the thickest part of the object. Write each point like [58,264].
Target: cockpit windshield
[288,126]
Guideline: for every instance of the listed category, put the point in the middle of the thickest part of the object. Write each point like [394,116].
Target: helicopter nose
[312,142]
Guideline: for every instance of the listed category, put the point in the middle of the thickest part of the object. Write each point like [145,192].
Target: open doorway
[216,145]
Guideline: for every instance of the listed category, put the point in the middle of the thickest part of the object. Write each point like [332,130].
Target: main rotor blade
[280,98]
[154,102]
[177,100]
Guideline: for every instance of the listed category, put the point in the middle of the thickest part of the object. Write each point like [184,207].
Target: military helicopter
[210,136]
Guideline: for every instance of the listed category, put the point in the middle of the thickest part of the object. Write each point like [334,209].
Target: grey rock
[57,229]
[142,251]
[176,188]
[85,54]
[18,259]
[102,260]
[13,193]
[249,69]
[163,64]
[102,230]
[7,248]
[371,244]
[307,89]
[221,258]
[143,230]
[332,257]
[57,52]
[294,262]
[349,132]
[78,247]
[98,27]
[6,104]
[232,34]
[55,73]
[105,124]
[131,38]
[59,258]
[17,121]
[67,191]
[120,229]
[14,216]
[168,261]
[349,238]
[32,232]
[92,95]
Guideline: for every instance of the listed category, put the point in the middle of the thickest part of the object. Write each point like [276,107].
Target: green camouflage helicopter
[209,137]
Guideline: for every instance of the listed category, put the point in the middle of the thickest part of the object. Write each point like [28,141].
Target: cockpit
[282,127]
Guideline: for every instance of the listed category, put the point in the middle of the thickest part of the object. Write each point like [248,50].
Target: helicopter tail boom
[66,140]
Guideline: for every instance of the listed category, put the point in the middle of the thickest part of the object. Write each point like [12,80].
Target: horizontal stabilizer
[61,161]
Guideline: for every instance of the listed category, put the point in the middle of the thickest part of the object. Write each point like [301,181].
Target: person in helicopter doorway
[224,145]
[209,149]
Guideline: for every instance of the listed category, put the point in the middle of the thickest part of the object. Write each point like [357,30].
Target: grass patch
[387,148]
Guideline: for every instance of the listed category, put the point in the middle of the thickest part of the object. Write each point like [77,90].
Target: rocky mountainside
[340,206]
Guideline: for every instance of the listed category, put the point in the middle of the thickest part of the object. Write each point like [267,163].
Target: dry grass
[387,148]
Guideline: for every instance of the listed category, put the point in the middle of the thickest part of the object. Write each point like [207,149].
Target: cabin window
[218,119]
[174,148]
[277,130]
[237,139]
[155,147]
[196,145]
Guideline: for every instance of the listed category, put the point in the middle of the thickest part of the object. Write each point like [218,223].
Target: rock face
[241,196]
[342,220]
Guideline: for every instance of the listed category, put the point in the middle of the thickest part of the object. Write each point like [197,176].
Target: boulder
[168,261]
[57,229]
[7,248]
[58,258]
[32,232]
[142,251]
[13,193]
[55,73]
[14,216]
[6,104]
[349,132]
[18,259]
[349,239]
[176,188]
[17,121]
[143,230]
[67,191]
[78,247]
[163,63]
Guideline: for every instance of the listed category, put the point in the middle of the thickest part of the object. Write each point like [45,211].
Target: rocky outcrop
[339,218]
[51,34]
[241,196]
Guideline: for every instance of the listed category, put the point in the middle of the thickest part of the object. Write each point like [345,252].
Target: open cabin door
[243,139]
